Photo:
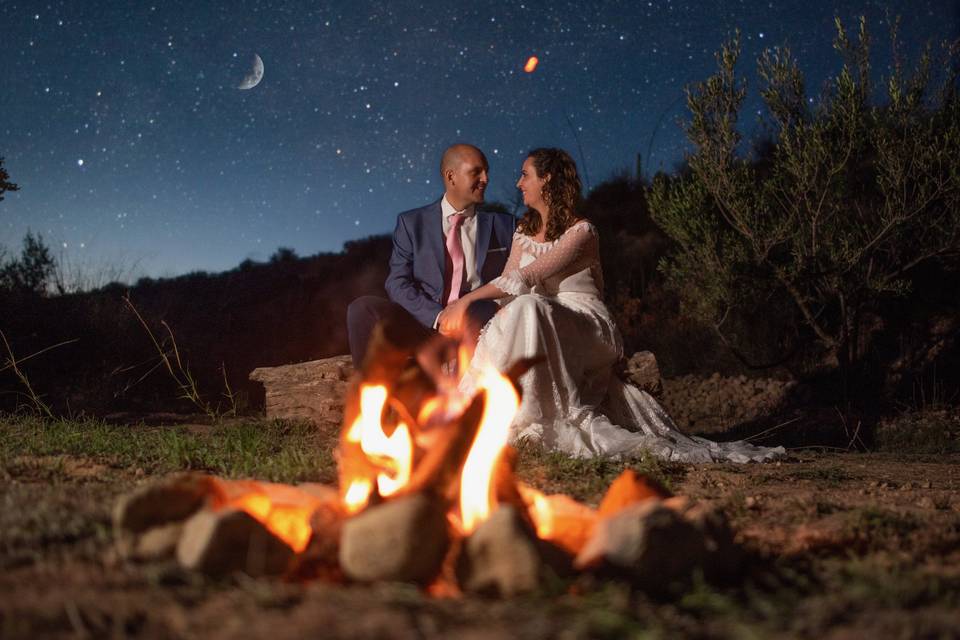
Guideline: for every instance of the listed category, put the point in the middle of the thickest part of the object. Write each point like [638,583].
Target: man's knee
[366,307]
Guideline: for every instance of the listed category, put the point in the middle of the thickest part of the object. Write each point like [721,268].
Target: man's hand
[450,320]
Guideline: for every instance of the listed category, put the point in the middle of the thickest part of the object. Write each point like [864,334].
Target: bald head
[457,154]
[464,172]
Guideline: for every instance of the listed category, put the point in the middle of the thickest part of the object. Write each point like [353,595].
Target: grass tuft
[270,450]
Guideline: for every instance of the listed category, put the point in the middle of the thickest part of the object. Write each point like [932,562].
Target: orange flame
[531,64]
[476,500]
[289,522]
[394,454]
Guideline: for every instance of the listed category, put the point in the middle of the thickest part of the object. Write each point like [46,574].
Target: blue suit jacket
[417,262]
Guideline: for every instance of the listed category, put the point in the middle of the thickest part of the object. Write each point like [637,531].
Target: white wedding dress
[573,402]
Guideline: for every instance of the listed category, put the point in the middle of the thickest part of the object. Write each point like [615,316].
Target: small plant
[171,360]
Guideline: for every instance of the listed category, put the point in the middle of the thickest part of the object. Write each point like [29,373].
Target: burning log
[404,539]
[440,467]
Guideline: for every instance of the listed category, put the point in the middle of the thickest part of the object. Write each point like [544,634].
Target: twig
[856,436]
[774,428]
[12,364]
[229,395]
[42,351]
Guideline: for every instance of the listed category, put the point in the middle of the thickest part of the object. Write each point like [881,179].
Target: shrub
[831,216]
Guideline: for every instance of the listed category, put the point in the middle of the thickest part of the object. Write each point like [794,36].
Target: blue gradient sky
[122,125]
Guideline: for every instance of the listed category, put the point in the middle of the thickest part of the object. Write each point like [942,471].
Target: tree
[284,255]
[848,199]
[31,273]
[5,184]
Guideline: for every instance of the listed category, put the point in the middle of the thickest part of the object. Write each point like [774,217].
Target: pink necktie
[455,251]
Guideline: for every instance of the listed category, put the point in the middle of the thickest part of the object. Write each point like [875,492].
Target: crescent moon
[255,75]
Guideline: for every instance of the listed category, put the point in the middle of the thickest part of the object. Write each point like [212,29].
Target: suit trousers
[365,312]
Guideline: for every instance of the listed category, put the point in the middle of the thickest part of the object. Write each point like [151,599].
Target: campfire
[427,494]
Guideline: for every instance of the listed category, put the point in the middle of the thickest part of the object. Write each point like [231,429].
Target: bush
[829,218]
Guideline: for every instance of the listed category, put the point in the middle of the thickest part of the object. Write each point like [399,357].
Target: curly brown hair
[561,192]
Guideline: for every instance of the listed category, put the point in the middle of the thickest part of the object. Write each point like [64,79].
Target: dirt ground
[843,545]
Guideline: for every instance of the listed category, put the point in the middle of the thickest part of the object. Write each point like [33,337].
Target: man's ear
[448,176]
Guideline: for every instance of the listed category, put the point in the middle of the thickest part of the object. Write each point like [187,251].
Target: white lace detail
[511,283]
[531,246]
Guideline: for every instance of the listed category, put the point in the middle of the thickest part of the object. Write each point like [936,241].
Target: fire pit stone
[501,557]
[226,540]
[404,540]
[650,542]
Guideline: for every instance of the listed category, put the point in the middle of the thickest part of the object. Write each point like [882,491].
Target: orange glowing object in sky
[532,63]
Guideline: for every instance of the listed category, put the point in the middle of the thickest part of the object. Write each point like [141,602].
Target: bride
[551,292]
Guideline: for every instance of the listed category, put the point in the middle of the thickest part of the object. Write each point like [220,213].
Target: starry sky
[136,152]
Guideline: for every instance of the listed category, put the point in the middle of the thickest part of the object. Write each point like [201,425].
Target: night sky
[135,151]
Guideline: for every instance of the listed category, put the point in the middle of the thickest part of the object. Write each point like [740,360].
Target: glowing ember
[531,65]
[476,500]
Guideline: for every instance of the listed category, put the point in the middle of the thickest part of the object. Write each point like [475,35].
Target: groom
[440,252]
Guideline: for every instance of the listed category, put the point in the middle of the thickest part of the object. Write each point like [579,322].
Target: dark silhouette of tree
[32,272]
[5,184]
[283,254]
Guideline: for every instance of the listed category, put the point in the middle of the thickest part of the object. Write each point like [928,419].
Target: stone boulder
[644,372]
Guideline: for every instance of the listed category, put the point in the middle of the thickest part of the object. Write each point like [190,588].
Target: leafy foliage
[836,212]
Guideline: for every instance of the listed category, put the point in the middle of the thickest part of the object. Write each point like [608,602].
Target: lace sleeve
[510,281]
[574,250]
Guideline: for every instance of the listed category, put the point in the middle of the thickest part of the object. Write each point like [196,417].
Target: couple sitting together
[531,288]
